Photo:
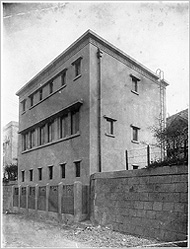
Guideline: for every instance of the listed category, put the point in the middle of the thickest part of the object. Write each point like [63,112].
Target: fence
[60,199]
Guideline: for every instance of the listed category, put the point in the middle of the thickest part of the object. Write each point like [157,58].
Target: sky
[156,34]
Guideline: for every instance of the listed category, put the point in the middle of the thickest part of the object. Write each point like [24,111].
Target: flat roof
[90,34]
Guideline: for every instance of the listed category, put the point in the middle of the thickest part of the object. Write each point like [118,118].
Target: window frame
[135,136]
[63,77]
[63,170]
[77,168]
[110,126]
[135,84]
[50,172]
[78,66]
[50,131]
[31,171]
[64,132]
[40,174]
[23,103]
[51,87]
[40,94]
[75,121]
[22,175]
[31,100]
[42,134]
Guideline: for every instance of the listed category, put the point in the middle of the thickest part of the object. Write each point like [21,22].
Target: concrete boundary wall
[145,202]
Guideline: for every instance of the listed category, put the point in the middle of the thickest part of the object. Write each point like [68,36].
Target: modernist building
[10,143]
[83,111]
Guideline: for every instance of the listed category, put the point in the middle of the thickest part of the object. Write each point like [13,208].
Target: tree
[10,172]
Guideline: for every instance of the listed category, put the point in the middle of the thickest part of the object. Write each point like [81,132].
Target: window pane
[51,87]
[23,172]
[40,173]
[77,168]
[41,94]
[64,126]
[74,122]
[50,172]
[31,175]
[63,78]
[135,134]
[62,170]
[51,131]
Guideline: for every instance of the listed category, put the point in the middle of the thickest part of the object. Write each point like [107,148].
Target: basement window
[135,166]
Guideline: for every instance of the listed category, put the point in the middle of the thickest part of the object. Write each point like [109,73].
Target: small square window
[23,175]
[31,174]
[40,174]
[77,169]
[50,172]
[62,170]
[41,94]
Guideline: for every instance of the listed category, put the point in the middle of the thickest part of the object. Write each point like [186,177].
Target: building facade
[10,143]
[84,111]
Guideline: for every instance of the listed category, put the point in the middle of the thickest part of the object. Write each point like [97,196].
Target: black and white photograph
[94,118]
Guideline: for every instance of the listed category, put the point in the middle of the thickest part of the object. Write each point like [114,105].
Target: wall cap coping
[165,170]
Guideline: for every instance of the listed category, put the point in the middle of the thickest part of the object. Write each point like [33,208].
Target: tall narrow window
[23,175]
[77,65]
[31,100]
[135,133]
[135,81]
[51,87]
[41,94]
[110,126]
[50,172]
[64,126]
[39,174]
[63,78]
[32,138]
[42,134]
[77,169]
[23,105]
[62,170]
[31,174]
[50,131]
[25,141]
[74,122]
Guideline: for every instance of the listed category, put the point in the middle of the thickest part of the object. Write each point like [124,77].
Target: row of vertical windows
[64,126]
[77,66]
[50,172]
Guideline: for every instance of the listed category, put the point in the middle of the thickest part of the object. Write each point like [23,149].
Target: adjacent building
[177,135]
[88,111]
[10,143]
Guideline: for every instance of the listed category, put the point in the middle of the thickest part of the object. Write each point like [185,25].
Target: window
[64,126]
[74,122]
[31,100]
[50,172]
[77,169]
[41,94]
[32,138]
[62,170]
[134,83]
[51,87]
[110,126]
[23,175]
[42,134]
[23,105]
[31,174]
[135,166]
[135,134]
[25,141]
[50,131]
[40,174]
[63,78]
[77,65]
